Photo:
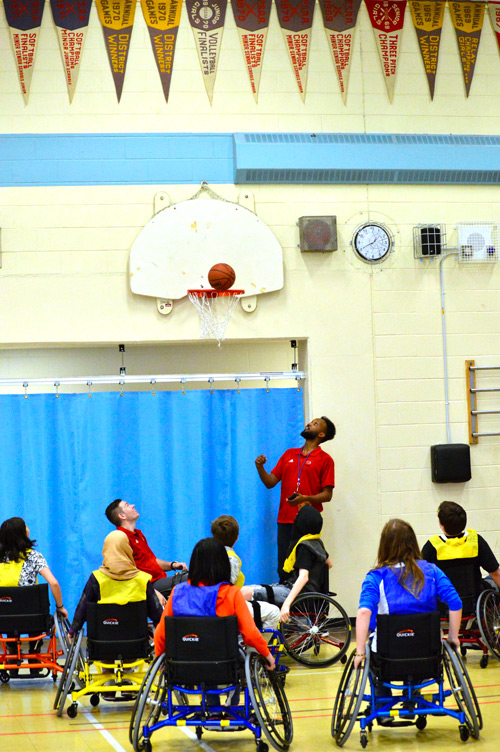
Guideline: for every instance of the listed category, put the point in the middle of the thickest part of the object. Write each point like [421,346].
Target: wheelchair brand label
[5,599]
[190,638]
[111,622]
[405,633]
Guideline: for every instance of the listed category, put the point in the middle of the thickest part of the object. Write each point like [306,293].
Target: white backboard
[176,249]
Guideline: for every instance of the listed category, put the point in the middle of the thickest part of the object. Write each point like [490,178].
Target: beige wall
[374,354]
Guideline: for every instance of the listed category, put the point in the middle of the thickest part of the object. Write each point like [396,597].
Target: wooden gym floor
[28,723]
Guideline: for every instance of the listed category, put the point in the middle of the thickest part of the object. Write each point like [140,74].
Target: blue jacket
[382,593]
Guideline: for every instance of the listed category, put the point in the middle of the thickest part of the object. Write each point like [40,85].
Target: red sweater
[229,602]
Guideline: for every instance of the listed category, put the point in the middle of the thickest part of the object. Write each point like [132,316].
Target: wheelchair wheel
[72,667]
[318,632]
[269,701]
[349,698]
[461,688]
[148,704]
[62,632]
[488,617]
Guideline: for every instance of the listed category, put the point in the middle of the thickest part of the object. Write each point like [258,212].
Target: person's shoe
[385,721]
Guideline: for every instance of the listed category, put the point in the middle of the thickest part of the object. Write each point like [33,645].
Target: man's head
[226,529]
[321,428]
[452,517]
[120,511]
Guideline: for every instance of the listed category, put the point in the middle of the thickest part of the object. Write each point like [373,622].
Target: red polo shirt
[143,556]
[317,472]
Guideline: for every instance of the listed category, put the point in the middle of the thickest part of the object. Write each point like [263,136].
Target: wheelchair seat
[409,658]
[203,660]
[118,647]
[25,621]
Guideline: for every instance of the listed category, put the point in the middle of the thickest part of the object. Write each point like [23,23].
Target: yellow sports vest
[290,562]
[10,572]
[465,547]
[122,591]
[241,577]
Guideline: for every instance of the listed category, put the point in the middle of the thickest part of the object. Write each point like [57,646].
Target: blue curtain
[182,459]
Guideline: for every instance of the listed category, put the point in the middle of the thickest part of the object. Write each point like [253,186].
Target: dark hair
[209,563]
[226,529]
[112,512]
[330,428]
[398,544]
[14,541]
[452,517]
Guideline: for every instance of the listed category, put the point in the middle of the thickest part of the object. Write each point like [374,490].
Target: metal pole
[445,350]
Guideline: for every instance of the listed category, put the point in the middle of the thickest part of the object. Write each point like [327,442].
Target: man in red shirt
[124,516]
[307,476]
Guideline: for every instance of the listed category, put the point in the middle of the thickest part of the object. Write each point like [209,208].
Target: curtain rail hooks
[57,385]
[297,379]
[267,379]
[238,382]
[89,384]
[211,381]
[153,381]
[183,381]
[121,384]
[25,385]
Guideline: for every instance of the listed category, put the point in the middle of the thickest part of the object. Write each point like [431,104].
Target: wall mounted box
[450,463]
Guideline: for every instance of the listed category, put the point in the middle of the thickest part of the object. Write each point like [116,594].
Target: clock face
[372,242]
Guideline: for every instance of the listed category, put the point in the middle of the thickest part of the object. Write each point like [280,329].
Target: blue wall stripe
[165,158]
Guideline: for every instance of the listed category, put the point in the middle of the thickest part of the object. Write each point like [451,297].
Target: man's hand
[270,662]
[285,610]
[298,499]
[161,598]
[358,660]
[180,566]
[261,460]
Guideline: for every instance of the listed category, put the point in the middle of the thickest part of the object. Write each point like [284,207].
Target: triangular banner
[162,18]
[467,18]
[24,19]
[387,19]
[296,19]
[494,11]
[252,20]
[117,21]
[339,20]
[207,19]
[71,19]
[428,21]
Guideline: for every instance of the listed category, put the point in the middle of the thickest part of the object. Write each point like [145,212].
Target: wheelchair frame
[264,709]
[47,660]
[318,632]
[415,705]
[488,619]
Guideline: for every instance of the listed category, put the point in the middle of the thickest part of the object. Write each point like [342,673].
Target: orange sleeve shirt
[229,602]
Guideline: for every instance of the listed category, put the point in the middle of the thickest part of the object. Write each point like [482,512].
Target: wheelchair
[118,650]
[488,619]
[318,632]
[410,658]
[25,622]
[203,659]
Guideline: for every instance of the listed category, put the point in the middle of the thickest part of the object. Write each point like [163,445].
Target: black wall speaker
[450,463]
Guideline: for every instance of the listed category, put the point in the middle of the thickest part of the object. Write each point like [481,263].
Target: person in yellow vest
[226,529]
[117,581]
[457,546]
[20,565]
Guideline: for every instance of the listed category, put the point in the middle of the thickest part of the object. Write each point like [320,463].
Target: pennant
[494,12]
[252,20]
[467,18]
[162,18]
[339,20]
[71,18]
[428,21]
[207,19]
[24,19]
[296,19]
[387,18]
[117,21]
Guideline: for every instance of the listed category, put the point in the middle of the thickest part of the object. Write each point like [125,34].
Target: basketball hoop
[215,308]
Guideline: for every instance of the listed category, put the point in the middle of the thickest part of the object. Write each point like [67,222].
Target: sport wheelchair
[203,659]
[410,658]
[26,611]
[318,632]
[118,648]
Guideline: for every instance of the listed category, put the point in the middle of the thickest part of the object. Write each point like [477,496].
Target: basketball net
[215,308]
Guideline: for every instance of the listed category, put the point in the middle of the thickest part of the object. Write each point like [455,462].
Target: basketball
[221,276]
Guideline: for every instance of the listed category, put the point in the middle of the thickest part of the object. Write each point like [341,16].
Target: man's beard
[308,434]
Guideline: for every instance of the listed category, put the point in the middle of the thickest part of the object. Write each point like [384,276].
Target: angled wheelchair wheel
[62,633]
[346,709]
[269,701]
[488,617]
[461,688]
[148,704]
[72,667]
[318,632]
